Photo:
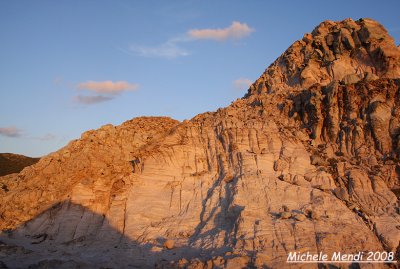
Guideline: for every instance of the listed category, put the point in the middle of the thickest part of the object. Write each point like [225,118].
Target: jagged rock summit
[308,160]
[346,51]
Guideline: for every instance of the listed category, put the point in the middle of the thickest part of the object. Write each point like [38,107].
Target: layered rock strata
[308,160]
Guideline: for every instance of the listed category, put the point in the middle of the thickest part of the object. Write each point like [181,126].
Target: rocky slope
[308,160]
[14,163]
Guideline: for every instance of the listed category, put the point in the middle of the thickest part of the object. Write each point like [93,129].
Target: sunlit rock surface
[308,160]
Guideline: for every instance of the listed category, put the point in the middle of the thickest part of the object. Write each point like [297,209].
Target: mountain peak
[347,51]
[309,161]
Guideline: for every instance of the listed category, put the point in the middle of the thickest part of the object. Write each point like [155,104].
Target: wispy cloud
[107,87]
[168,50]
[172,48]
[92,99]
[46,137]
[242,83]
[58,81]
[236,30]
[15,132]
[102,91]
[10,131]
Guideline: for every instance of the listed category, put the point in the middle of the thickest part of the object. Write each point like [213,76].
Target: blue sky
[70,66]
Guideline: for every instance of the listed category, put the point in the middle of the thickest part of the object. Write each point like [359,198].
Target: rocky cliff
[308,160]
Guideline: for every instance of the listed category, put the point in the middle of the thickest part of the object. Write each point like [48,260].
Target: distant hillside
[14,163]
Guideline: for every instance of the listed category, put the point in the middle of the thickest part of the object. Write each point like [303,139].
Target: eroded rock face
[91,168]
[307,161]
[345,51]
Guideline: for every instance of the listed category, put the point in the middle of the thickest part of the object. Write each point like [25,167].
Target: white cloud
[107,87]
[10,131]
[92,99]
[172,48]
[242,83]
[168,50]
[104,91]
[236,30]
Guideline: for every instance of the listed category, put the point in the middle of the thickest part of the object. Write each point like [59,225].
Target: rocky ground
[308,160]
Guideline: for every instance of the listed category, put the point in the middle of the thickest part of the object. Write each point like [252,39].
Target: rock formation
[308,160]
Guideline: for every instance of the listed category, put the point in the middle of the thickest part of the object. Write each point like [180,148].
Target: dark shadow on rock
[69,235]
[225,220]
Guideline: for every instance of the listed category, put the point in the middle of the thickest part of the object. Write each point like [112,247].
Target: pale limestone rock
[240,183]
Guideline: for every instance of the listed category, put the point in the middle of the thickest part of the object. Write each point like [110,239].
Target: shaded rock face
[306,161]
